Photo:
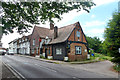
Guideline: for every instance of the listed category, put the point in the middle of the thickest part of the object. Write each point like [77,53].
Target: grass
[96,58]
[100,57]
[56,62]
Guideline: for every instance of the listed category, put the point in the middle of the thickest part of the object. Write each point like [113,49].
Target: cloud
[7,38]
[66,18]
[93,16]
[94,23]
[96,32]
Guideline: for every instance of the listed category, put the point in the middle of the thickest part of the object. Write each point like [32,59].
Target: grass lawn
[100,57]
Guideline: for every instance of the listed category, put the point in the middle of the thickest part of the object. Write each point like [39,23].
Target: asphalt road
[36,69]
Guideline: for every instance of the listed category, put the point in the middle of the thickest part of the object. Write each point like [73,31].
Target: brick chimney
[55,32]
[51,26]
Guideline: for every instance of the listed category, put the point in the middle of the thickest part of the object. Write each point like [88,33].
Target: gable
[77,34]
[35,36]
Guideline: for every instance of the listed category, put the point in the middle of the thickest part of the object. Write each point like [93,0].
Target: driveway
[103,67]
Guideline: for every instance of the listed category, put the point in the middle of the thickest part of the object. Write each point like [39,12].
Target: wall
[77,41]
[61,56]
[72,56]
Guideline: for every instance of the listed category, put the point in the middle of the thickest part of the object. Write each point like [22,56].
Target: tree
[94,43]
[19,15]
[112,37]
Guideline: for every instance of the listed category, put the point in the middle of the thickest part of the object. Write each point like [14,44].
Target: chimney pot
[51,26]
[55,32]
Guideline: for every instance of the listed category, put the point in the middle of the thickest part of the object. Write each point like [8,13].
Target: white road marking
[15,72]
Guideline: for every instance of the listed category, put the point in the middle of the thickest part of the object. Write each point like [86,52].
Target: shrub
[116,60]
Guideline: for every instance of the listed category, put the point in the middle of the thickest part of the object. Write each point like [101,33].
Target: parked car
[10,53]
[2,52]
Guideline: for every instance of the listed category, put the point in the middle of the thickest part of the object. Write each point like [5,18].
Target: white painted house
[24,45]
[20,45]
[10,50]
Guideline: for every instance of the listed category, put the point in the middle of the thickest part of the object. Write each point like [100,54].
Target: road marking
[15,72]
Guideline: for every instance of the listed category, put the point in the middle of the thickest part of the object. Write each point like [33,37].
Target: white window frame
[78,50]
[58,51]
[33,42]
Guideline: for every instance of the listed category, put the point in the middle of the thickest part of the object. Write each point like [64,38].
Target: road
[31,69]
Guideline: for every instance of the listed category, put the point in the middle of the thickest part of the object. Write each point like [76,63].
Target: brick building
[68,42]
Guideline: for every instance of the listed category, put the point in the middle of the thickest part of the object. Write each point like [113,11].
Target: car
[10,53]
[2,52]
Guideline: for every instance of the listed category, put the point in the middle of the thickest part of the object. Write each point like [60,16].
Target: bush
[117,67]
[116,60]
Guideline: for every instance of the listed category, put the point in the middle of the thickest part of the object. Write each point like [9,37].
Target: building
[23,45]
[20,45]
[11,47]
[68,42]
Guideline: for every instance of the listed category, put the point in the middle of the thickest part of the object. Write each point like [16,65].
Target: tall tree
[20,15]
[112,37]
[94,43]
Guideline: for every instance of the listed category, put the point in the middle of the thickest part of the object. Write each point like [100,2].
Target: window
[32,51]
[36,50]
[78,49]
[78,34]
[33,42]
[58,51]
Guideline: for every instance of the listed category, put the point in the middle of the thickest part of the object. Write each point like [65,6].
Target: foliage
[112,37]
[117,68]
[100,57]
[21,15]
[116,60]
[94,43]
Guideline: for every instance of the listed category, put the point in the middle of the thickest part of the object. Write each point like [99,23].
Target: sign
[39,39]
[88,56]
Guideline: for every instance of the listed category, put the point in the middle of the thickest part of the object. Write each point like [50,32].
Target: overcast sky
[93,23]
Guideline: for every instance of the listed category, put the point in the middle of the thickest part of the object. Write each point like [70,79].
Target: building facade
[20,45]
[66,43]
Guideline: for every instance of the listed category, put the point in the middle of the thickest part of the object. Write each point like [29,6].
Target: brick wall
[35,36]
[72,56]
[73,37]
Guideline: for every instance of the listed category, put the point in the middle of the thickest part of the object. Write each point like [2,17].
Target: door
[45,53]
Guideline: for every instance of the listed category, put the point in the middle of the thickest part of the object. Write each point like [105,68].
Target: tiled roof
[63,33]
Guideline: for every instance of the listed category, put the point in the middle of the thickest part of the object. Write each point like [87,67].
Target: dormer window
[78,34]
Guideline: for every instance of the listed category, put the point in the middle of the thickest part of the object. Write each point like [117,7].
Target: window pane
[58,51]
[78,34]
[78,50]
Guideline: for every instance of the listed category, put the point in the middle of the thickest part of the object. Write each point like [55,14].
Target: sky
[93,23]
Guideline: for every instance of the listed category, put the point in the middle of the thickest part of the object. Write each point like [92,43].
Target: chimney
[51,26]
[55,32]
